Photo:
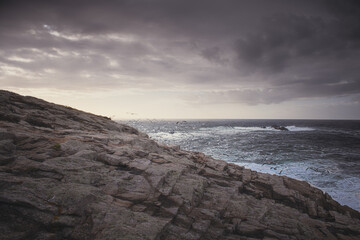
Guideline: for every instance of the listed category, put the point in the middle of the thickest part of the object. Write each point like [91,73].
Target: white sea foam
[234,130]
[299,129]
[253,129]
[343,188]
[229,129]
[221,130]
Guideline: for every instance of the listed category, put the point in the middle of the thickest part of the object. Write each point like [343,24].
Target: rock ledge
[67,174]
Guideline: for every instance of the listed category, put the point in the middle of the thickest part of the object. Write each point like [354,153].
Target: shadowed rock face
[67,174]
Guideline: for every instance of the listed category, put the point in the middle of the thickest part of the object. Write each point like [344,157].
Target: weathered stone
[67,174]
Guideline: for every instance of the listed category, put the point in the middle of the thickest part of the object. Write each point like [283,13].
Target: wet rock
[277,127]
[67,174]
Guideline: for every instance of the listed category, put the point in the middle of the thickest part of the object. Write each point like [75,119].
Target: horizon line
[211,119]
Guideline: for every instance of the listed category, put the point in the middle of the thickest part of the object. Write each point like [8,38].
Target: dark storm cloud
[268,52]
[315,56]
[286,37]
[214,55]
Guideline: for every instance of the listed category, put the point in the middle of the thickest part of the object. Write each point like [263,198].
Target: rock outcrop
[281,128]
[67,174]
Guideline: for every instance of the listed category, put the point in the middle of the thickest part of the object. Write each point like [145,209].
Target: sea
[325,153]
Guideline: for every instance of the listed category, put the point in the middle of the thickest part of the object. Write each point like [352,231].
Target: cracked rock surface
[67,174]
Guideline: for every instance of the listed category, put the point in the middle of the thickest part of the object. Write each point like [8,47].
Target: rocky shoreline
[67,174]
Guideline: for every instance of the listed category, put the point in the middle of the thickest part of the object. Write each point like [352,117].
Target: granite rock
[67,174]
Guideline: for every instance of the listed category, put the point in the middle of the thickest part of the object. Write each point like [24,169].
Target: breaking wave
[230,129]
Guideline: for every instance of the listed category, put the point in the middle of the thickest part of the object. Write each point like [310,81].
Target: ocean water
[325,153]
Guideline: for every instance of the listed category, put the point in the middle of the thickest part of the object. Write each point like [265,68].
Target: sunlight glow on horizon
[137,104]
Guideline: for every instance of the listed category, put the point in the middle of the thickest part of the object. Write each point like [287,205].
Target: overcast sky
[186,58]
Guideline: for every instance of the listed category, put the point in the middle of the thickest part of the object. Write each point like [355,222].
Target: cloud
[310,56]
[254,52]
[214,55]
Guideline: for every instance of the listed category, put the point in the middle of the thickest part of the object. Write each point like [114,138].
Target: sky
[186,59]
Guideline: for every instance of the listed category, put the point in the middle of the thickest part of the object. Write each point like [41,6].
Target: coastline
[74,175]
[323,153]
